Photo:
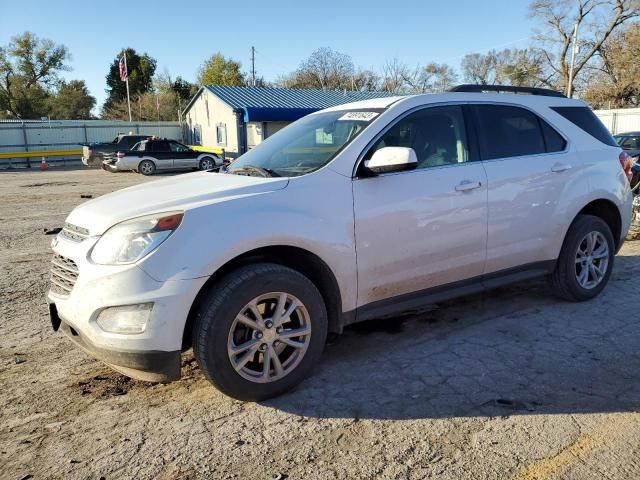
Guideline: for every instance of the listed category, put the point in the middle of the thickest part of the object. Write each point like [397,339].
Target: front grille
[64,273]
[74,233]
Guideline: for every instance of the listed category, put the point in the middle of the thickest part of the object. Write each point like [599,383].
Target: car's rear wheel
[147,167]
[207,163]
[260,331]
[586,260]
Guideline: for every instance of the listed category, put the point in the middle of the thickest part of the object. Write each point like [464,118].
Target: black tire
[216,315]
[203,160]
[564,281]
[146,168]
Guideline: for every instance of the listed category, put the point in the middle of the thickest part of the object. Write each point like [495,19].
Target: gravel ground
[511,384]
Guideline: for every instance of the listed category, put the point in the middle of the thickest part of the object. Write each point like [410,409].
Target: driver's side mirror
[392,159]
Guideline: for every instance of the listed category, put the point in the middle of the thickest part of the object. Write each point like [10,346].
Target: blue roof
[284,104]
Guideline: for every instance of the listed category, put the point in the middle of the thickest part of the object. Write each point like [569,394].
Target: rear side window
[159,147]
[507,131]
[552,139]
[586,120]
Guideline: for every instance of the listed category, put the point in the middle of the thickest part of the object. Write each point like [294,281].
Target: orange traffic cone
[44,165]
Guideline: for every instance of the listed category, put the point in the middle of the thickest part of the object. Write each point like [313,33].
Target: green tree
[141,69]
[29,71]
[219,70]
[72,101]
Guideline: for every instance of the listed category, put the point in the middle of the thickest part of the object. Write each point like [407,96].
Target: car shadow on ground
[517,350]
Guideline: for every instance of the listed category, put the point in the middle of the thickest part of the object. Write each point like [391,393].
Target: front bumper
[151,355]
[110,167]
[152,366]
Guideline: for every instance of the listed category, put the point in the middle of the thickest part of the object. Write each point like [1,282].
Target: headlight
[130,241]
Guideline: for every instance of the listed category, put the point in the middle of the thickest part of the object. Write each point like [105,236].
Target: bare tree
[394,74]
[615,78]
[431,78]
[595,21]
[365,81]
[325,69]
[507,67]
[480,68]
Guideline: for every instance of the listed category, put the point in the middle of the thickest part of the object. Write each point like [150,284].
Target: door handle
[467,185]
[560,167]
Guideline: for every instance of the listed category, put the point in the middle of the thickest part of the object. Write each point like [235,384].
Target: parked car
[359,211]
[630,143]
[149,156]
[94,153]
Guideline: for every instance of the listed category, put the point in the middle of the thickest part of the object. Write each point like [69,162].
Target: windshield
[619,139]
[304,146]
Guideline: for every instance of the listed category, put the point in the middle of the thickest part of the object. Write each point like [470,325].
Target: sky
[181,35]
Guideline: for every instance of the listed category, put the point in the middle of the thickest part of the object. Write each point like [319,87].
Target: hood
[180,192]
[634,152]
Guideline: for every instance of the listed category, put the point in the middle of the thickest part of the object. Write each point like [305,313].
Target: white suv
[358,211]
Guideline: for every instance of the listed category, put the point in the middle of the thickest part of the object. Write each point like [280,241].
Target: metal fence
[620,120]
[59,135]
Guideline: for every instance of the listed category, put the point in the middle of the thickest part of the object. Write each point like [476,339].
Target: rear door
[161,151]
[528,167]
[423,228]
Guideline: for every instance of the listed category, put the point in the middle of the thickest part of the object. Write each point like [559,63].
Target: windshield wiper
[264,172]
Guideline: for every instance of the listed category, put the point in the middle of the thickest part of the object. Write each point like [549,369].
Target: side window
[159,147]
[437,135]
[552,139]
[506,131]
[178,147]
[584,118]
[631,143]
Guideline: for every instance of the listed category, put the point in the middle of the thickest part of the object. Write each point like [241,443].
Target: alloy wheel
[269,337]
[592,260]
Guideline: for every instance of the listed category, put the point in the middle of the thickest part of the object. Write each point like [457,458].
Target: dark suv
[149,156]
[94,153]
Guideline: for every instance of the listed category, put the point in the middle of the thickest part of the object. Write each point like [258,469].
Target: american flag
[123,70]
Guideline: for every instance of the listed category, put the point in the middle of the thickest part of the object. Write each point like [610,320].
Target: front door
[183,156]
[423,228]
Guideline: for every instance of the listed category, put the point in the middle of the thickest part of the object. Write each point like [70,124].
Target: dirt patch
[480,387]
[50,184]
[108,384]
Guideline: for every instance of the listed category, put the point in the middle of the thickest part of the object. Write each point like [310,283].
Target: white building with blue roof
[239,118]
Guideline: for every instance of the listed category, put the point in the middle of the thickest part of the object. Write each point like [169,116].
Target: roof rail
[507,88]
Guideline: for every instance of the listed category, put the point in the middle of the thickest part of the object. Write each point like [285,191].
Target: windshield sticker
[359,116]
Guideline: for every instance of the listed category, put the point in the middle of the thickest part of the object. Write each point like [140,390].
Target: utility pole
[574,51]
[126,78]
[253,66]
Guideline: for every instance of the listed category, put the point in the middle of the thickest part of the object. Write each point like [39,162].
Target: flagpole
[127,81]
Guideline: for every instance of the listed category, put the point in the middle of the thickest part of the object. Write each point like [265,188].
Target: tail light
[626,162]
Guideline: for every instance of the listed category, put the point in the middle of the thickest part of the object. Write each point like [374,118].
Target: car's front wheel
[207,163]
[147,167]
[260,331]
[586,260]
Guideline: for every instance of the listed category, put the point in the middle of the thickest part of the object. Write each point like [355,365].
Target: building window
[221,134]
[197,135]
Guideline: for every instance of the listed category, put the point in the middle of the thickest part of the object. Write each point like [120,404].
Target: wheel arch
[147,159]
[216,159]
[296,258]
[609,213]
